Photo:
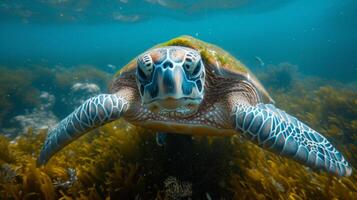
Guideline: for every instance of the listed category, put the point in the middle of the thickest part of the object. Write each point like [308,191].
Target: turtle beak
[171,104]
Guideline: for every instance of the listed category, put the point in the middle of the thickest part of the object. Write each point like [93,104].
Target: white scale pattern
[274,129]
[92,113]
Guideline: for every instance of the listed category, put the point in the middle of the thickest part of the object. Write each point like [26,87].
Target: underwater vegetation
[33,88]
[280,76]
[120,161]
[16,91]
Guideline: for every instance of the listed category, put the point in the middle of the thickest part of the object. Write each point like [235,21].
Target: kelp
[5,154]
[121,161]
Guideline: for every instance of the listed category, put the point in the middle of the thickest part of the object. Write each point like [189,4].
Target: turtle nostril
[167,64]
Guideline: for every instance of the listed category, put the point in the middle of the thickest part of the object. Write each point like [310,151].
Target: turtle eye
[145,67]
[192,64]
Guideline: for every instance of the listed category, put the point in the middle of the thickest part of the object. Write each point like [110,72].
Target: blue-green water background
[319,36]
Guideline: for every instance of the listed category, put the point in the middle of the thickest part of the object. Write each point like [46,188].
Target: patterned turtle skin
[188,86]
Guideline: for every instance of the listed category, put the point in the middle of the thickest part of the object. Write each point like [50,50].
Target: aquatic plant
[280,178]
[5,154]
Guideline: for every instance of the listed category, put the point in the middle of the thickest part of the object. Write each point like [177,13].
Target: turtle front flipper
[93,113]
[275,130]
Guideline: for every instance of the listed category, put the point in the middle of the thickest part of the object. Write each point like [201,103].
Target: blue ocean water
[319,36]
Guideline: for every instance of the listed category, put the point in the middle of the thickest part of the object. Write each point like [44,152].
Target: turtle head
[171,80]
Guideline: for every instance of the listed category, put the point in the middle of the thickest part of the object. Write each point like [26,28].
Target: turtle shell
[223,63]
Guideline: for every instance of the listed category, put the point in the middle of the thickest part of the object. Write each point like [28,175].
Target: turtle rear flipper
[275,130]
[93,113]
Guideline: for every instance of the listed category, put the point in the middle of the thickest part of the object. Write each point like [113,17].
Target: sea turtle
[188,86]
